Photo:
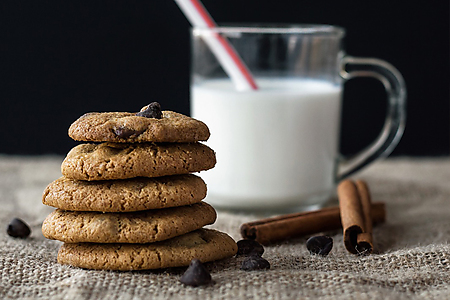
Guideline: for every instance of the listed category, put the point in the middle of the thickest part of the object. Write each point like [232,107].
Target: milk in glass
[276,147]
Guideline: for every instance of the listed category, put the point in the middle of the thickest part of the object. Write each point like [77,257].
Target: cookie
[108,161]
[125,195]
[203,244]
[137,227]
[125,127]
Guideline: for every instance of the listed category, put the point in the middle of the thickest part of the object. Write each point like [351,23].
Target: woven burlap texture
[412,259]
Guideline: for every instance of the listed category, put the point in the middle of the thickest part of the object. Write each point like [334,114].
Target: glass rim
[307,29]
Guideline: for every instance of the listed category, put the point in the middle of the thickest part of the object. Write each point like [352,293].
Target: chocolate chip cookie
[136,227]
[126,127]
[203,244]
[109,161]
[124,195]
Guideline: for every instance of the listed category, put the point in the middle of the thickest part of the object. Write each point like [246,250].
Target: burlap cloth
[412,259]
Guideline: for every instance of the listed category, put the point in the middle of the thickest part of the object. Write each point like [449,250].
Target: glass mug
[277,147]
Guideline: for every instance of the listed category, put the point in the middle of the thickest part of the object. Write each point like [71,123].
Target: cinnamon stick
[364,241]
[275,229]
[356,216]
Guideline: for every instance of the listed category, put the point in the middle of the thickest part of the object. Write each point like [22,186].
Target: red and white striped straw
[229,59]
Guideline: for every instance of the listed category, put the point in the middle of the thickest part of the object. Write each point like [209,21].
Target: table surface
[412,259]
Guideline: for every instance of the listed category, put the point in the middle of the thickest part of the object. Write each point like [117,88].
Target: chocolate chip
[254,262]
[247,247]
[153,110]
[18,228]
[196,274]
[124,132]
[321,245]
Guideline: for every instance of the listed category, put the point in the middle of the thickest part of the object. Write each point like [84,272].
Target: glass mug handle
[394,124]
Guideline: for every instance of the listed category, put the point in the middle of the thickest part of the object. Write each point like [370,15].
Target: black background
[60,59]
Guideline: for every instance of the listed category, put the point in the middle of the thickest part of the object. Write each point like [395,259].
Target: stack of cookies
[128,201]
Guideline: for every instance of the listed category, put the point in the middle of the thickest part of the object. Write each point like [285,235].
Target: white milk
[275,147]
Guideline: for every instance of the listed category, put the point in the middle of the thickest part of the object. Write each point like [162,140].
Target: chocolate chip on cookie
[124,132]
[153,110]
